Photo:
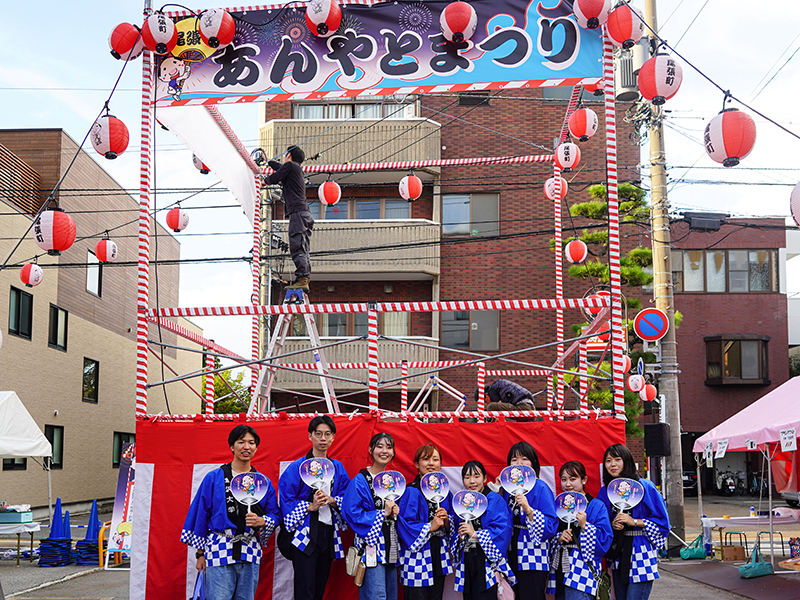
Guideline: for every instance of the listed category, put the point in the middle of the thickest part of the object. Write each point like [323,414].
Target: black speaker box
[656,439]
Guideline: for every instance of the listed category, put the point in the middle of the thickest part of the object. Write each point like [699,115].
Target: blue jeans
[573,594]
[380,583]
[624,590]
[232,582]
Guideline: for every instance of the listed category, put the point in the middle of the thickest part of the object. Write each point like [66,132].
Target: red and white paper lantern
[177,219]
[583,124]
[591,14]
[217,27]
[625,26]
[592,310]
[105,251]
[159,33]
[626,363]
[636,383]
[323,17]
[660,78]
[567,156]
[458,21]
[125,41]
[648,393]
[410,187]
[604,333]
[794,204]
[576,251]
[729,137]
[109,136]
[329,193]
[550,189]
[54,231]
[200,165]
[31,275]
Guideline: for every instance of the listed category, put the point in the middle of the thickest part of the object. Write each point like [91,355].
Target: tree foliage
[230,403]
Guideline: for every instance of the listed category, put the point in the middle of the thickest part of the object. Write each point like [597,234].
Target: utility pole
[662,286]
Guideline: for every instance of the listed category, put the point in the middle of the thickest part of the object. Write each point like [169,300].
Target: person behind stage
[227,537]
[535,522]
[313,517]
[301,223]
[423,530]
[576,552]
[370,519]
[479,546]
[642,532]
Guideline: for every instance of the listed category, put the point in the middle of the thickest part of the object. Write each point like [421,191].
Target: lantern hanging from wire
[604,333]
[550,188]
[54,231]
[597,89]
[458,21]
[583,124]
[109,136]
[794,204]
[106,250]
[660,78]
[625,26]
[648,393]
[200,165]
[591,14]
[567,156]
[626,363]
[323,17]
[729,137]
[601,295]
[159,33]
[636,383]
[217,27]
[125,41]
[177,219]
[31,275]
[410,187]
[329,193]
[576,251]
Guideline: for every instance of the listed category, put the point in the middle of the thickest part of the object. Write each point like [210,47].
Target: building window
[357,324]
[737,360]
[563,93]
[372,210]
[470,214]
[725,271]
[373,107]
[471,330]
[94,275]
[473,98]
[55,435]
[15,464]
[121,439]
[58,328]
[91,377]
[20,313]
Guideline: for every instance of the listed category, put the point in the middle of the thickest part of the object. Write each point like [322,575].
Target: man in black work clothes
[290,176]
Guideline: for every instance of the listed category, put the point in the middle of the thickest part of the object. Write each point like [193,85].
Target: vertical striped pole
[583,388]
[372,356]
[481,389]
[143,272]
[404,386]
[617,342]
[256,295]
[559,282]
[209,384]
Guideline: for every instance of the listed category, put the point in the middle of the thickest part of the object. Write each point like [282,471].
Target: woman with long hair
[637,536]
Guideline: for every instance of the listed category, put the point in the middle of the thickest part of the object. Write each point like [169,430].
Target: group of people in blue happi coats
[518,543]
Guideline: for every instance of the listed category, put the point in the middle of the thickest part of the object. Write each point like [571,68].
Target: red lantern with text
[625,26]
[567,156]
[54,231]
[550,188]
[159,33]
[660,78]
[109,136]
[125,41]
[217,27]
[576,251]
[105,251]
[591,14]
[199,165]
[323,17]
[626,363]
[177,219]
[592,310]
[648,393]
[636,383]
[583,124]
[729,137]
[410,187]
[458,21]
[31,275]
[329,193]
[794,204]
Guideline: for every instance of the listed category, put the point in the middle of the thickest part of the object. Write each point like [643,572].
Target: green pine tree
[229,404]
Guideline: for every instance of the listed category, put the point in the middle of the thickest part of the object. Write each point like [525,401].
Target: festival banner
[122,517]
[380,49]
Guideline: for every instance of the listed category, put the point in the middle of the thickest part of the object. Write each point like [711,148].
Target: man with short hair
[313,517]
[228,537]
[301,223]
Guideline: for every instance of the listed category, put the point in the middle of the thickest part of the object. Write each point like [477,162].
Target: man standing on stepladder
[290,176]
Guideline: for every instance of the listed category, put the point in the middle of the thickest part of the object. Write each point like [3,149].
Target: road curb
[49,583]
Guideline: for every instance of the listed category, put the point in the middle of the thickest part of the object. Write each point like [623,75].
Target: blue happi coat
[208,526]
[294,496]
[414,531]
[358,510]
[595,540]
[532,543]
[653,511]
[493,538]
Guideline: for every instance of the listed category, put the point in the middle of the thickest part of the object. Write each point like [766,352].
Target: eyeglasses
[323,434]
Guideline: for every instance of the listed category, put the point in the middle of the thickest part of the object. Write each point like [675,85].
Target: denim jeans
[380,583]
[573,594]
[232,582]
[624,590]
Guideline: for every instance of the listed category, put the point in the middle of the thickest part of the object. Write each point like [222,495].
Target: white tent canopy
[20,436]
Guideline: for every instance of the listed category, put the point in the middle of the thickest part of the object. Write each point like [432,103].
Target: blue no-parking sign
[651,324]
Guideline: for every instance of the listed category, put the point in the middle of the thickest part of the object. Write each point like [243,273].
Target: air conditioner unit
[624,78]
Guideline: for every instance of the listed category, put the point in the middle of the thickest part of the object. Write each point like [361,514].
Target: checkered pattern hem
[536,526]
[190,539]
[654,534]
[416,569]
[340,522]
[301,538]
[265,532]
[532,557]
[219,550]
[297,516]
[423,537]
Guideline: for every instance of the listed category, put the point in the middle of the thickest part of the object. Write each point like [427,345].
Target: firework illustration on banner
[569,504]
[435,487]
[389,485]
[316,473]
[517,479]
[469,505]
[249,488]
[624,493]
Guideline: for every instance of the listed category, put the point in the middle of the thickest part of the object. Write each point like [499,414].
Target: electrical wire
[692,23]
